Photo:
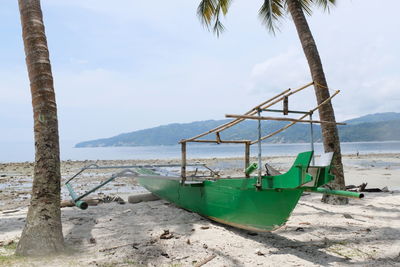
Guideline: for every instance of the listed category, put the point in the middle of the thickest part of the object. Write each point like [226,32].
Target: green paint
[334,192]
[79,203]
[232,201]
[237,202]
[251,169]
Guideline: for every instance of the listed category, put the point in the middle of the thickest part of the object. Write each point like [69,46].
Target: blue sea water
[20,152]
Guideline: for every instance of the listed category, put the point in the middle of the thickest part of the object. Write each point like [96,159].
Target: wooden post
[286,105]
[183,166]
[247,157]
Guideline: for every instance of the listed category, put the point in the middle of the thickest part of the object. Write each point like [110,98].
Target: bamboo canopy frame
[254,114]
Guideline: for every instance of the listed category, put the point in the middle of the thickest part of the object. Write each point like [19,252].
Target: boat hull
[235,202]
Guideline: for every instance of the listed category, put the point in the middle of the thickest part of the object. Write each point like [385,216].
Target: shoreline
[173,159]
[365,232]
[378,170]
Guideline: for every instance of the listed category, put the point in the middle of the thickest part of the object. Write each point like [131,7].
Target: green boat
[261,202]
[257,203]
[238,202]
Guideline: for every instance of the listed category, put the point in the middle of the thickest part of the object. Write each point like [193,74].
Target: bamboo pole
[183,167]
[228,123]
[255,109]
[279,119]
[247,157]
[220,142]
[302,117]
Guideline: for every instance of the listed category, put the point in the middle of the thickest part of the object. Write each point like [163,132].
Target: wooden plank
[279,119]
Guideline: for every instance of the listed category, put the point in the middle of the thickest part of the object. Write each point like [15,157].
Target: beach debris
[92,240]
[204,227]
[9,211]
[94,201]
[133,245]
[205,246]
[166,235]
[362,188]
[165,254]
[137,198]
[347,216]
[299,229]
[108,199]
[259,253]
[206,260]
[188,242]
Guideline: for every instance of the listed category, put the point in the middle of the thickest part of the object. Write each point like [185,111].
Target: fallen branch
[205,261]
[120,246]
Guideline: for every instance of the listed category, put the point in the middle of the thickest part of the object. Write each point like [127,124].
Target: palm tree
[270,12]
[42,233]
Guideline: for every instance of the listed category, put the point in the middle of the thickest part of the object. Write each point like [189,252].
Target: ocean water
[20,152]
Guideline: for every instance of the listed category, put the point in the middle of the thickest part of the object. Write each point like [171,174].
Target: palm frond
[306,6]
[324,4]
[270,12]
[206,11]
[209,12]
[225,4]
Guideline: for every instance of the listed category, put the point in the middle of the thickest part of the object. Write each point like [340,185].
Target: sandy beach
[364,233]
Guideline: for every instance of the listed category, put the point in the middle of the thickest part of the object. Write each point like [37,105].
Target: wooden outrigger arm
[254,114]
[278,119]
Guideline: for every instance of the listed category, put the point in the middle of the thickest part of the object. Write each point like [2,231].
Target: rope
[323,86]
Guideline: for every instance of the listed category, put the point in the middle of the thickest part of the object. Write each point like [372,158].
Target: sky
[126,65]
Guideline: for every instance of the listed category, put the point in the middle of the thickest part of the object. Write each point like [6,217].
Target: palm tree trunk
[329,131]
[42,233]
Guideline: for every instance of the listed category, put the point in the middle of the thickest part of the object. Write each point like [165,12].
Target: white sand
[364,233]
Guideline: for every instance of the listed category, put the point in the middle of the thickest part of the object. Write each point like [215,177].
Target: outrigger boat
[261,202]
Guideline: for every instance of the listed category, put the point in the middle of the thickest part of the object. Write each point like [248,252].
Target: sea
[22,152]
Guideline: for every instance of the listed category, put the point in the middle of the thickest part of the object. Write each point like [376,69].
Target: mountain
[372,127]
[377,117]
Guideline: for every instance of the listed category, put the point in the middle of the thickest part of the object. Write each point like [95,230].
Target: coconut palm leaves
[210,12]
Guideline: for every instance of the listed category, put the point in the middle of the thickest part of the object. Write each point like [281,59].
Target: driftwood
[201,263]
[142,198]
[362,188]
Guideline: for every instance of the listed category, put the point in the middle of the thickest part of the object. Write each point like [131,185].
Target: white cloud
[282,71]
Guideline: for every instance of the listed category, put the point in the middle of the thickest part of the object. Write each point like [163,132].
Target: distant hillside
[377,117]
[373,127]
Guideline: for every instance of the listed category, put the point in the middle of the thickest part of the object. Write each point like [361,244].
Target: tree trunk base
[37,241]
[334,200]
[42,234]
